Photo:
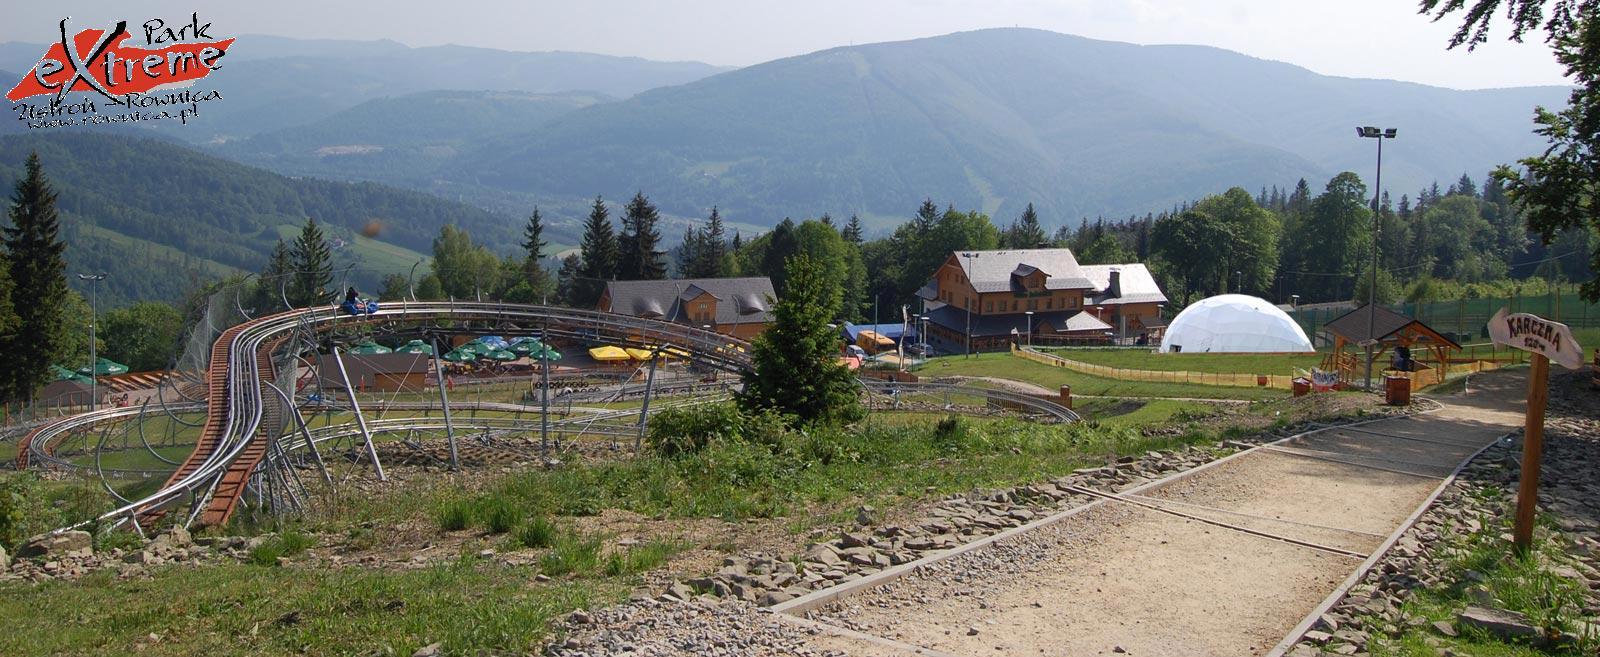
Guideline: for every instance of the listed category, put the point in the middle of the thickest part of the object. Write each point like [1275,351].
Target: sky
[1354,38]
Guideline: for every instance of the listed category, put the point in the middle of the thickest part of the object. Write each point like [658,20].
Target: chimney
[1114,289]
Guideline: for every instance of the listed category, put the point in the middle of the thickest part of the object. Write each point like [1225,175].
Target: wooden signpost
[1547,341]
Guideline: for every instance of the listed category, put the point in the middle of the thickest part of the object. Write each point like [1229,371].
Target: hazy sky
[1356,38]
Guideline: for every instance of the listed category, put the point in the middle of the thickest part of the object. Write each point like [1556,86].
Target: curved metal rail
[234,438]
[239,366]
[1037,405]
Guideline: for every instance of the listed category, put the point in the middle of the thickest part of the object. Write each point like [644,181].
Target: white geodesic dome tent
[1232,323]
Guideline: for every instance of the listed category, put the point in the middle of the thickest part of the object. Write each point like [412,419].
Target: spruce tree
[273,281]
[797,370]
[313,267]
[714,248]
[567,279]
[688,256]
[38,274]
[927,216]
[852,231]
[637,255]
[533,246]
[599,253]
[1026,233]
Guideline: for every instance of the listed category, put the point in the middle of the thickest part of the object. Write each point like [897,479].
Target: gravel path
[1120,578]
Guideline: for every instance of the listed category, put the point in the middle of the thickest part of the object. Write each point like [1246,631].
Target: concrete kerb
[1338,594]
[818,598]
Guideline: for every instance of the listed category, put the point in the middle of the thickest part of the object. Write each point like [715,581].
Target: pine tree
[927,216]
[713,248]
[38,276]
[274,281]
[852,230]
[826,219]
[689,253]
[313,267]
[599,250]
[533,246]
[567,280]
[797,370]
[637,257]
[1025,232]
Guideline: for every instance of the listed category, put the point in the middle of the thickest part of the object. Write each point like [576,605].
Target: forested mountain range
[270,82]
[403,139]
[158,216]
[995,119]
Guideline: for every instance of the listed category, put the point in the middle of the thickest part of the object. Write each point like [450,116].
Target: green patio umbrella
[63,374]
[461,355]
[475,347]
[415,347]
[544,352]
[500,355]
[104,367]
[369,348]
[524,346]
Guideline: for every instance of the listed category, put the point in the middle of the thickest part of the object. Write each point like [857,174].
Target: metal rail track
[214,476]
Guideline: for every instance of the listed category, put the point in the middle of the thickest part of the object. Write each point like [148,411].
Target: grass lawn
[1006,366]
[218,610]
[1141,359]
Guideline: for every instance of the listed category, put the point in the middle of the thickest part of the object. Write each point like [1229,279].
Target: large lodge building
[988,295]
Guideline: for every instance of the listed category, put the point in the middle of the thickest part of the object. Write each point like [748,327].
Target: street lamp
[1030,328]
[1370,132]
[94,314]
[972,305]
[1239,286]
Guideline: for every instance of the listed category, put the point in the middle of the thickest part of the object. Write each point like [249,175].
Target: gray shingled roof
[739,300]
[991,271]
[1138,286]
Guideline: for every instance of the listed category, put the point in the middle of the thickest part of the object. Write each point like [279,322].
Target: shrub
[454,515]
[537,534]
[678,431]
[13,510]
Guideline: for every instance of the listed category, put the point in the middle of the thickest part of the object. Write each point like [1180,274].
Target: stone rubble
[71,555]
[1483,494]
[650,628]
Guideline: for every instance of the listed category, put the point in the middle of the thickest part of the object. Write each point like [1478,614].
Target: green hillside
[403,138]
[157,215]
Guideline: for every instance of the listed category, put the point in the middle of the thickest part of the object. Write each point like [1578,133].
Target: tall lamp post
[1030,328]
[970,303]
[1370,132]
[94,315]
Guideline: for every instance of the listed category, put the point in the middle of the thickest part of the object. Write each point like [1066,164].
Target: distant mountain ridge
[995,119]
[271,82]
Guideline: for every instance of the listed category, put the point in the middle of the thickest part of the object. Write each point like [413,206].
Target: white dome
[1234,323]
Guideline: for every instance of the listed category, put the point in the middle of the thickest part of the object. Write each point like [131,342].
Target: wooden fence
[1235,379]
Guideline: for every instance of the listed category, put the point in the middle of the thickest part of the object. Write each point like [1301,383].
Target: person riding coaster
[355,305]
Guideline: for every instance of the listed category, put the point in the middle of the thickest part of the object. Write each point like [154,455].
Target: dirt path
[1156,573]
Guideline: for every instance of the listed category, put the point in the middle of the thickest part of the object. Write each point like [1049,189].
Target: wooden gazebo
[1390,329]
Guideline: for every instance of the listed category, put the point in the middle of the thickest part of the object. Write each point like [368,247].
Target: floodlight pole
[94,315]
[1030,328]
[1372,280]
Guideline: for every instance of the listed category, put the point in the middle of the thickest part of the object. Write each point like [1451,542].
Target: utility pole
[94,316]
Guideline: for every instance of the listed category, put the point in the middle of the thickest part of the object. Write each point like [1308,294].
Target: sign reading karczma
[1538,335]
